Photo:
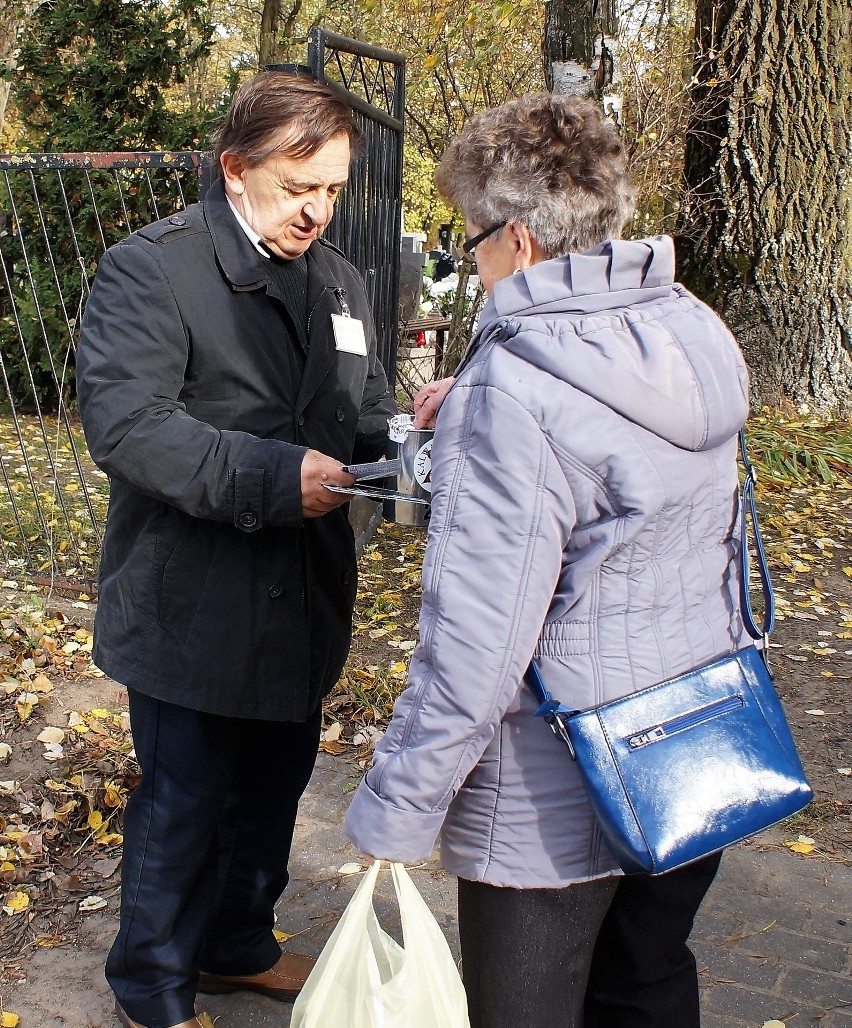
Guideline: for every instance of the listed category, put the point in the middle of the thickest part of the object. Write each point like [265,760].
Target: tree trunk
[766,223]
[276,31]
[268,49]
[13,20]
[580,50]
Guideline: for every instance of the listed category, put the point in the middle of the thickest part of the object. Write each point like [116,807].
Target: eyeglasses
[470,245]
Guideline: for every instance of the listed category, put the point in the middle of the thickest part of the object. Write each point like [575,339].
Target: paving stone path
[773,940]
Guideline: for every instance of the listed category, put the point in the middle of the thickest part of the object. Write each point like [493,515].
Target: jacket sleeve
[131,362]
[501,515]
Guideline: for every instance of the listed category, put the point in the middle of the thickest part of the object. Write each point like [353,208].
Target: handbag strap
[748,510]
[549,708]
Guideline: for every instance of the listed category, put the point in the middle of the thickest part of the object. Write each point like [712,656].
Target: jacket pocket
[184,577]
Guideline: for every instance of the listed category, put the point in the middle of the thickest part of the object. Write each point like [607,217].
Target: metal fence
[58,214]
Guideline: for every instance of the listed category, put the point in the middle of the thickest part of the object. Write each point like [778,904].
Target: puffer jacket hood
[674,384]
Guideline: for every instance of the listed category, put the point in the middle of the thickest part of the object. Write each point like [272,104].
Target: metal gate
[367,223]
[58,214]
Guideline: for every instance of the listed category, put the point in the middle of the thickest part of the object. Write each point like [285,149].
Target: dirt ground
[67,865]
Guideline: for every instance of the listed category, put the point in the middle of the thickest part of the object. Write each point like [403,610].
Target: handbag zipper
[685,721]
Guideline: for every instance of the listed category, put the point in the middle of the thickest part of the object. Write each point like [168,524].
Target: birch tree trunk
[766,224]
[580,50]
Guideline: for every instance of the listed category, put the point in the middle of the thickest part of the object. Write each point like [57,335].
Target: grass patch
[794,451]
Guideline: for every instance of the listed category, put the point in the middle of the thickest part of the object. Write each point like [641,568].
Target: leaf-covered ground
[66,762]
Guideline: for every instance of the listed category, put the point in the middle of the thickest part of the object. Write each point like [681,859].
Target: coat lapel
[322,303]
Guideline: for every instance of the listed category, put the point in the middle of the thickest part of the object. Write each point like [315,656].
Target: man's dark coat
[214,593]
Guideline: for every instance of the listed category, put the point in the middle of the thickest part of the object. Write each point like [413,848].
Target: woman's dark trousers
[610,953]
[207,836]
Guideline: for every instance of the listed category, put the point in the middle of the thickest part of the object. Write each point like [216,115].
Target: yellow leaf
[96,819]
[800,847]
[206,1020]
[24,709]
[6,866]
[9,1020]
[280,936]
[112,795]
[41,683]
[109,839]
[16,902]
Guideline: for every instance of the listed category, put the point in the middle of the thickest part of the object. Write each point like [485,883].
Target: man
[226,371]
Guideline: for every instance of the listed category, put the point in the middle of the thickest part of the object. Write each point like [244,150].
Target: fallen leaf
[280,936]
[5,751]
[847,771]
[9,1020]
[803,844]
[205,1020]
[816,713]
[41,683]
[351,868]
[91,903]
[25,704]
[16,902]
[50,734]
[774,1024]
[112,795]
[332,733]
[335,748]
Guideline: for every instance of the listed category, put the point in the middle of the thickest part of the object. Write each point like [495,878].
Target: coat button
[176,220]
[275,591]
[339,414]
[247,519]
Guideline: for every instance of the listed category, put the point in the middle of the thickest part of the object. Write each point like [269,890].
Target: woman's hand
[428,401]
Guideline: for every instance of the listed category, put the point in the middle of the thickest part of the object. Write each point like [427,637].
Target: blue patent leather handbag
[698,762]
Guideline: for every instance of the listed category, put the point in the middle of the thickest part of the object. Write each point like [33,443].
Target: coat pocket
[184,577]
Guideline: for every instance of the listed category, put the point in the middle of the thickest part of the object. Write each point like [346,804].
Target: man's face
[288,201]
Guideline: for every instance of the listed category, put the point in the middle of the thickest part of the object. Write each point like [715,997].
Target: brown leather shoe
[193,1022]
[283,981]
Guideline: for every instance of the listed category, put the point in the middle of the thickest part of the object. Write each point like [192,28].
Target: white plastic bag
[364,979]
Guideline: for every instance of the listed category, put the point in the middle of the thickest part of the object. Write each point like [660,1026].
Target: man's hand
[428,401]
[318,470]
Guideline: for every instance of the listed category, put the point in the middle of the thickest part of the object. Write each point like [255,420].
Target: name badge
[349,334]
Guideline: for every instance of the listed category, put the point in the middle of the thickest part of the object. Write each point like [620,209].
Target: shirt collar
[253,237]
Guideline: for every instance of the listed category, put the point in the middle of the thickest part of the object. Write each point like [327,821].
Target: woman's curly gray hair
[552,162]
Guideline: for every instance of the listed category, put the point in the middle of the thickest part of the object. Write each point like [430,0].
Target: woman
[584,498]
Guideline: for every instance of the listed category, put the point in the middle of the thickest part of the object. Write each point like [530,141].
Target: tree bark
[580,50]
[766,224]
[268,49]
[13,20]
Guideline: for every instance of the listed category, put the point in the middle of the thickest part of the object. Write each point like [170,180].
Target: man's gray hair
[549,161]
